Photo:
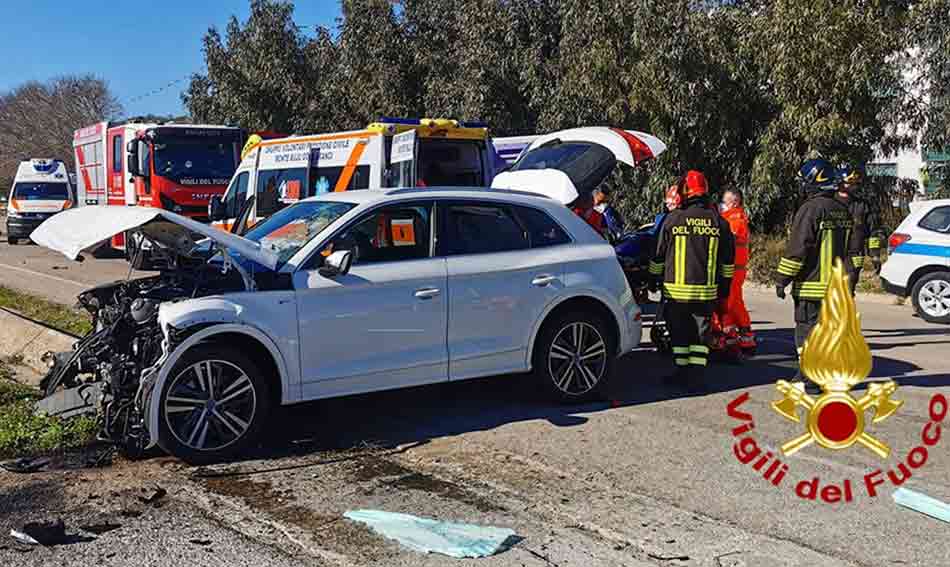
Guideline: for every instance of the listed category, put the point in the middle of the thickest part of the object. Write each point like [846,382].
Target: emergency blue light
[406,121]
[44,166]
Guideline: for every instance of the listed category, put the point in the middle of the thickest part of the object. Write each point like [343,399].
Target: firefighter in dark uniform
[821,233]
[866,233]
[694,264]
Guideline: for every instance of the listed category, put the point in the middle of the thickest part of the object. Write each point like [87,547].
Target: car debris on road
[433,536]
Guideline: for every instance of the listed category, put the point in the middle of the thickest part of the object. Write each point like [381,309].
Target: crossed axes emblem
[835,418]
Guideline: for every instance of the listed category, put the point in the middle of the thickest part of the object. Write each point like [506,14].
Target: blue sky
[137,46]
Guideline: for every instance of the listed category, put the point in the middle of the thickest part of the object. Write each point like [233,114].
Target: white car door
[498,284]
[382,325]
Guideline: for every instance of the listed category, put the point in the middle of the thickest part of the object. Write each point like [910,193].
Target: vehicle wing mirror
[216,210]
[336,264]
[132,164]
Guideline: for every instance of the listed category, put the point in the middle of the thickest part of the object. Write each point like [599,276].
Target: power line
[158,90]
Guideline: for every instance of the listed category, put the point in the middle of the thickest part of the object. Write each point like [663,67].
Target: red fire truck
[177,167]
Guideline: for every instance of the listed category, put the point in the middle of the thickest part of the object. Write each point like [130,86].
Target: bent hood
[76,230]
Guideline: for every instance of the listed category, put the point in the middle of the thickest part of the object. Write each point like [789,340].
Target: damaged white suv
[335,295]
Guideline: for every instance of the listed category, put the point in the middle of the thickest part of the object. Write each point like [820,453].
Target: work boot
[746,339]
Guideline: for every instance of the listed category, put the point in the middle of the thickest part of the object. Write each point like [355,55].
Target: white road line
[47,276]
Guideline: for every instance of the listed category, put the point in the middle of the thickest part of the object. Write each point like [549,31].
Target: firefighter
[819,235]
[695,264]
[866,232]
[732,327]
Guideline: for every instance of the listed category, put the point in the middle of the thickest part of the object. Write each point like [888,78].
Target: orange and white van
[389,153]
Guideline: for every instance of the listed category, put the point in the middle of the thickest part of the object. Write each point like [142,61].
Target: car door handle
[543,280]
[427,292]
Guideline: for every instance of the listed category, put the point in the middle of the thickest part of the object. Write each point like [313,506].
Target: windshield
[208,161]
[291,228]
[41,191]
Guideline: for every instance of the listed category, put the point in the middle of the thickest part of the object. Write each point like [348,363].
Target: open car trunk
[571,163]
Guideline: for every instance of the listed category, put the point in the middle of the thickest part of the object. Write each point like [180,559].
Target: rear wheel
[573,356]
[931,296]
[214,405]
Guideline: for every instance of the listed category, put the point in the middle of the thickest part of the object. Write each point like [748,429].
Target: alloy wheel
[210,405]
[577,358]
[934,298]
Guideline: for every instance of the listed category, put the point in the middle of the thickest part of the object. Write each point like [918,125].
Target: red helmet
[673,198]
[694,184]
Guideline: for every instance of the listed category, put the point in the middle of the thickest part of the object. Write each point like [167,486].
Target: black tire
[931,297]
[12,241]
[251,406]
[550,361]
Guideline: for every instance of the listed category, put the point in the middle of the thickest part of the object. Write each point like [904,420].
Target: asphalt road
[649,477]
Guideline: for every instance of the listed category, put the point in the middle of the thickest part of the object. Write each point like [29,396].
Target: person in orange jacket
[731,325]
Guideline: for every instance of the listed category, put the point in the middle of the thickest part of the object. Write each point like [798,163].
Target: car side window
[480,228]
[389,234]
[542,229]
[937,220]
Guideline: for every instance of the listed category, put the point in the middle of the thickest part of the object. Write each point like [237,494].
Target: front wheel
[573,356]
[214,405]
[12,241]
[931,296]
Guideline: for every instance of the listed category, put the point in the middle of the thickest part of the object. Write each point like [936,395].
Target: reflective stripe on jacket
[695,254]
[821,233]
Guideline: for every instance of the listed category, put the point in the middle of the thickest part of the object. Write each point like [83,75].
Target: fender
[572,293]
[153,410]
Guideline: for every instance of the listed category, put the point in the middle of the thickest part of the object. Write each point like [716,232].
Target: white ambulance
[40,189]
[394,152]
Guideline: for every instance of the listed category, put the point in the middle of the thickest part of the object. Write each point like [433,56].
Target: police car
[918,263]
[40,190]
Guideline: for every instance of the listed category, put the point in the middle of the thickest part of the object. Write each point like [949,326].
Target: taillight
[896,240]
[67,204]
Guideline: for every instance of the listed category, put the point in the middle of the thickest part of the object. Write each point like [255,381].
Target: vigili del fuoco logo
[836,357]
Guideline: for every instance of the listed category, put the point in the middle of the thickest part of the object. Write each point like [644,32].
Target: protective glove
[780,291]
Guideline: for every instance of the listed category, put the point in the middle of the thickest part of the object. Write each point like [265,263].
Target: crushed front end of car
[124,352]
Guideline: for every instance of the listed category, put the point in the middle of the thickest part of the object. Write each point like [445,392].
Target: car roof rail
[413,190]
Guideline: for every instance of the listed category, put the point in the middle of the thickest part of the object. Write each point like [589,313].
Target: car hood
[76,230]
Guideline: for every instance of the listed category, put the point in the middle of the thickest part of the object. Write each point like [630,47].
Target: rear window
[584,163]
[937,220]
[41,191]
[479,229]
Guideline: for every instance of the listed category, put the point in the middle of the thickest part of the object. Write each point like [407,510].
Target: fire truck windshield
[195,161]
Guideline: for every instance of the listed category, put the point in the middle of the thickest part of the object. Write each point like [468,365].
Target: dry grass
[49,312]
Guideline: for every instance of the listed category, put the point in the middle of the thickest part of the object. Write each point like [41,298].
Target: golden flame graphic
[835,355]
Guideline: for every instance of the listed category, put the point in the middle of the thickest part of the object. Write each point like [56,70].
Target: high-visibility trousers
[735,313]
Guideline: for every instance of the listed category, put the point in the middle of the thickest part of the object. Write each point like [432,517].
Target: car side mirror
[336,264]
[216,210]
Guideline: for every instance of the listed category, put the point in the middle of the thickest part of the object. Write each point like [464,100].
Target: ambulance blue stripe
[923,250]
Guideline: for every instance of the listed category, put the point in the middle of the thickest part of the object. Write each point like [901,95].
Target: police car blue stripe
[923,250]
